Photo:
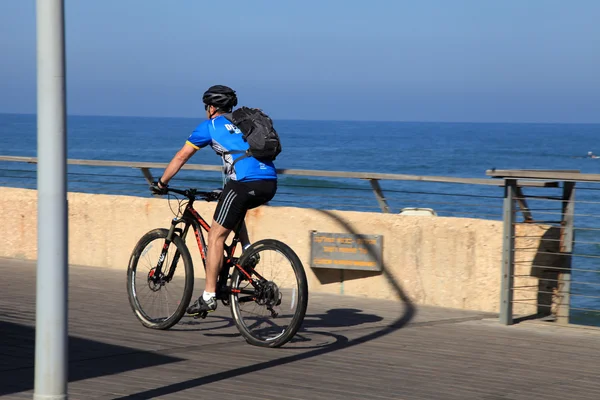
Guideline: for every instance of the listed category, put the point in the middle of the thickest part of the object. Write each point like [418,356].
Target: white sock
[208,295]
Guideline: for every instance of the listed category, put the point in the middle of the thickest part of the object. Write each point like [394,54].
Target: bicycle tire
[132,270]
[237,279]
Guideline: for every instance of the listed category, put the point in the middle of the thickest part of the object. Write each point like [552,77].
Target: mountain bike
[266,287]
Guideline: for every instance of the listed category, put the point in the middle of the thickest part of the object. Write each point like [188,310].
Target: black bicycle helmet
[221,97]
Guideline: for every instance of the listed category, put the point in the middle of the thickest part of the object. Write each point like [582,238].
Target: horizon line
[327,120]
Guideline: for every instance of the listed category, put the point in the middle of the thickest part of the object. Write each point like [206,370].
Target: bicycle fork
[158,275]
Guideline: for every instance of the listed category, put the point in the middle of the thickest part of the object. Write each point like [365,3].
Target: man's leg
[214,262]
[261,195]
[214,257]
[230,209]
[262,192]
[244,238]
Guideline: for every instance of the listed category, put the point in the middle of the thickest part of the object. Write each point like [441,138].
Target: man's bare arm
[178,161]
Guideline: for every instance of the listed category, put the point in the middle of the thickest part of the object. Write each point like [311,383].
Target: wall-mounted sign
[346,251]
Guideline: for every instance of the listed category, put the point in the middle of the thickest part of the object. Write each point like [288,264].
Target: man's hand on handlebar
[161,189]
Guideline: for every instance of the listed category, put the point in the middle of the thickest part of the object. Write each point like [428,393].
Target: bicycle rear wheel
[157,300]
[270,313]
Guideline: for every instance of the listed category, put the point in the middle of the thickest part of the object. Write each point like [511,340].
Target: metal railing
[359,191]
[553,272]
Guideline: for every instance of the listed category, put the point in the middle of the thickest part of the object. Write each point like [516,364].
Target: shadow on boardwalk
[17,350]
[406,313]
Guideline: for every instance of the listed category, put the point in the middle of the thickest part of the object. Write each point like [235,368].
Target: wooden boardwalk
[349,348]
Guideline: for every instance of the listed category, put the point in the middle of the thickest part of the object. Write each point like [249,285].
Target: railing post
[523,204]
[148,175]
[508,253]
[379,195]
[566,247]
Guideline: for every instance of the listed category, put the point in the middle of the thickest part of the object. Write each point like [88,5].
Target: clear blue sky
[426,60]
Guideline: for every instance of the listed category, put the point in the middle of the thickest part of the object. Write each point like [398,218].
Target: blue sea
[463,150]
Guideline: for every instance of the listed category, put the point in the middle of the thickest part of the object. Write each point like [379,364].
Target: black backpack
[257,129]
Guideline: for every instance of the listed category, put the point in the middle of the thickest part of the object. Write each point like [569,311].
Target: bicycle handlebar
[195,193]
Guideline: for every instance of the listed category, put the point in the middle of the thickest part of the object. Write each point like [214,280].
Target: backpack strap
[245,152]
[229,117]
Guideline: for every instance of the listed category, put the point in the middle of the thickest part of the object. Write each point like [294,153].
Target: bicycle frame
[191,217]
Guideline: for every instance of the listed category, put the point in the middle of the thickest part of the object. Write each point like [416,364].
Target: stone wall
[441,261]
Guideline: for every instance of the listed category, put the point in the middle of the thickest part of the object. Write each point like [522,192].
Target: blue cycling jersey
[222,135]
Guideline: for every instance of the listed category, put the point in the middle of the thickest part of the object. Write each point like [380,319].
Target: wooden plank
[348,348]
[567,175]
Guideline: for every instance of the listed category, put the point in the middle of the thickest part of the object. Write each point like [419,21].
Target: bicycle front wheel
[159,298]
[269,311]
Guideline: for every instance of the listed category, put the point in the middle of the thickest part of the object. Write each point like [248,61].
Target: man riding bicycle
[249,183]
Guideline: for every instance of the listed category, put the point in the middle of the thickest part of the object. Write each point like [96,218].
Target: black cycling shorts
[239,197]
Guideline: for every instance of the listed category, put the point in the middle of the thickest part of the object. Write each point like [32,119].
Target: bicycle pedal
[202,315]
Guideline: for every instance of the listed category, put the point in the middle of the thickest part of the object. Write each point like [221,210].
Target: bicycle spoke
[258,316]
[160,304]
